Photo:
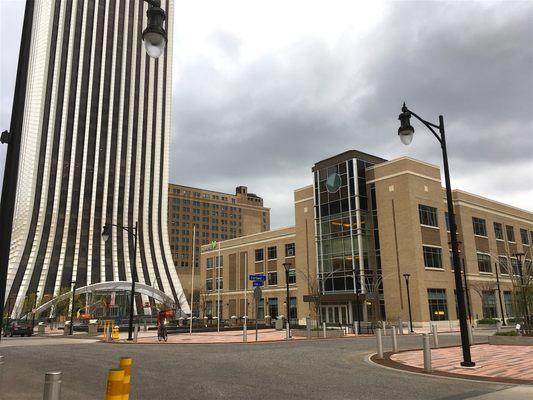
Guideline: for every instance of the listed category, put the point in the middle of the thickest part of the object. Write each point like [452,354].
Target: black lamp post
[287,266]
[407,276]
[406,132]
[155,40]
[33,311]
[72,308]
[523,288]
[132,230]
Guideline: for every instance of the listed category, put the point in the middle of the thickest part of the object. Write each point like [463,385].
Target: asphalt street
[315,369]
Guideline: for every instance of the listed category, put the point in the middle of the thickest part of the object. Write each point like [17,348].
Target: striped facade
[94,151]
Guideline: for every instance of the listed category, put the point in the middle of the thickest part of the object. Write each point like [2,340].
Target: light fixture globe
[106,232]
[155,36]
[405,131]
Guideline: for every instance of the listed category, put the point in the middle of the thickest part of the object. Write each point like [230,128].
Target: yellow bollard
[115,379]
[125,364]
[115,333]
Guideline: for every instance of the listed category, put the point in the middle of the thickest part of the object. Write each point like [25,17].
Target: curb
[386,362]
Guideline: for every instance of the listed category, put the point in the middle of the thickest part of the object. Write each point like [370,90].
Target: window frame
[289,246]
[500,230]
[438,303]
[275,252]
[257,252]
[436,248]
[428,214]
[479,256]
[272,274]
[480,223]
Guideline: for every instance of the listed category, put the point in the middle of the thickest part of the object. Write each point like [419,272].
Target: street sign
[258,292]
[257,277]
[257,283]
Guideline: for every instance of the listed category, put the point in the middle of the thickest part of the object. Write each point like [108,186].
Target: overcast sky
[264,89]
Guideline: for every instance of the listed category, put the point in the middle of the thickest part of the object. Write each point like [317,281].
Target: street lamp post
[287,266]
[33,311]
[131,230]
[155,40]
[406,132]
[407,276]
[72,308]
[523,288]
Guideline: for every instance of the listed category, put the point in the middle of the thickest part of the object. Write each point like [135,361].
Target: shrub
[487,321]
[507,333]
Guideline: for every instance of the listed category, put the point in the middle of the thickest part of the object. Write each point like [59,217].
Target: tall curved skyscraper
[94,151]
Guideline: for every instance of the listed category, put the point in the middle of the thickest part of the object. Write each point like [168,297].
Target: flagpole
[218,290]
[192,275]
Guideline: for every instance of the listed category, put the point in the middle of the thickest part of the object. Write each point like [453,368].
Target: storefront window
[438,307]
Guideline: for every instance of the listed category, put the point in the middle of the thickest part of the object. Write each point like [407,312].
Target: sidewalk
[498,363]
[264,335]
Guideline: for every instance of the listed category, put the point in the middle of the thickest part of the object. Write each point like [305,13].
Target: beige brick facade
[405,191]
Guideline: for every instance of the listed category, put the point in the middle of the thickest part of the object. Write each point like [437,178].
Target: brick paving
[265,335]
[509,362]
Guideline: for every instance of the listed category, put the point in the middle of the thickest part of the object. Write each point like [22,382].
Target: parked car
[22,328]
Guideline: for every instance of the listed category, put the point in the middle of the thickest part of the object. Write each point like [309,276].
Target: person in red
[161,328]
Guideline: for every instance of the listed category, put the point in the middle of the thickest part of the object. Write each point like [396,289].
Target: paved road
[331,369]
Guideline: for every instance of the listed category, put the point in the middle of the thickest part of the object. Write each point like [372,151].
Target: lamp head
[155,36]
[287,266]
[405,131]
[106,232]
[406,276]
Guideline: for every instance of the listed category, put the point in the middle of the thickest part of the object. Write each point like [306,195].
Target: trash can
[93,327]
[279,324]
[40,328]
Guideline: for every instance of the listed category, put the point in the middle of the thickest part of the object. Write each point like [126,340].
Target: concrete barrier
[427,352]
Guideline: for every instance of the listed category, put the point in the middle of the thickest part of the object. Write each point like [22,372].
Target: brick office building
[362,225]
[217,216]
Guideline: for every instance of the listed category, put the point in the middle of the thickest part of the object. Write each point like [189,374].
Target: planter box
[486,326]
[334,333]
[511,340]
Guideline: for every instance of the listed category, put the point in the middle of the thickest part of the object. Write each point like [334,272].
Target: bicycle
[162,333]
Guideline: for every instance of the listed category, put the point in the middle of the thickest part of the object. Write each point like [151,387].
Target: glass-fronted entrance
[346,254]
[335,314]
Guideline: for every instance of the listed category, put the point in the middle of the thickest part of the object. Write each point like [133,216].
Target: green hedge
[507,333]
[487,321]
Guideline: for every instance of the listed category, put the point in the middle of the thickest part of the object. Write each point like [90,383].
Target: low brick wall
[333,333]
[511,340]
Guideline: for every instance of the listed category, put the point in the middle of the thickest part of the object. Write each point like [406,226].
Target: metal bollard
[115,379]
[108,332]
[324,329]
[288,331]
[355,330]
[400,327]
[498,326]
[245,334]
[427,352]
[125,364]
[470,334]
[435,336]
[379,342]
[394,339]
[52,386]
[308,326]
[145,326]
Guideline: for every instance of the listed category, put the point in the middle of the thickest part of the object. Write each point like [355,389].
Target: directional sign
[257,283]
[257,277]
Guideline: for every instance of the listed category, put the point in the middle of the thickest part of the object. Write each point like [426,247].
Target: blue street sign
[257,283]
[257,277]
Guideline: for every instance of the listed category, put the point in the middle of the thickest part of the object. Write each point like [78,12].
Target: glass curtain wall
[342,226]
